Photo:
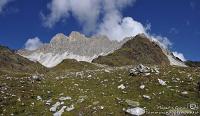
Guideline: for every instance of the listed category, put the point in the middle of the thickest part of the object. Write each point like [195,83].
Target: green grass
[101,87]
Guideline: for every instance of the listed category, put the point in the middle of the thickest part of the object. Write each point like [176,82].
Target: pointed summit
[58,38]
[137,50]
[76,36]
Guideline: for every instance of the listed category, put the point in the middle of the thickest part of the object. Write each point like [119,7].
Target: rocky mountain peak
[58,38]
[141,35]
[76,36]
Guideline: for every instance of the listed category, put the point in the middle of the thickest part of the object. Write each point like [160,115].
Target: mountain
[137,50]
[10,61]
[99,49]
[192,63]
[75,46]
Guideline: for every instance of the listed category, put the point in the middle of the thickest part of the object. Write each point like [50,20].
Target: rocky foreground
[103,90]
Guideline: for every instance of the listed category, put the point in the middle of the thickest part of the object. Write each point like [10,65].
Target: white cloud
[3,3]
[58,10]
[163,41]
[117,29]
[86,12]
[100,17]
[33,44]
[179,55]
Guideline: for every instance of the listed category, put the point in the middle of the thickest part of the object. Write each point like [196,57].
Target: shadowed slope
[135,51]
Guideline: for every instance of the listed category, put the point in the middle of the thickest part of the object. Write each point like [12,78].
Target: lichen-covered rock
[143,70]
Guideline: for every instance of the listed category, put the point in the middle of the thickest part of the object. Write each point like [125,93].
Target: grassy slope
[193,63]
[102,87]
[69,65]
[11,62]
[134,51]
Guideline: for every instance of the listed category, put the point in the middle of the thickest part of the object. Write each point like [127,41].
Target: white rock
[142,86]
[121,87]
[136,111]
[49,102]
[146,96]
[101,107]
[107,71]
[65,98]
[162,82]
[70,108]
[54,107]
[59,113]
[184,92]
[39,98]
[19,99]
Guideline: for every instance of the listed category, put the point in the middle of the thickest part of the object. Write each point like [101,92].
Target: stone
[65,98]
[121,86]
[136,111]
[70,108]
[142,86]
[162,82]
[132,103]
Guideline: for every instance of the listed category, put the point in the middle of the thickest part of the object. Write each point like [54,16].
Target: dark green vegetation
[73,65]
[135,51]
[95,92]
[192,63]
[11,62]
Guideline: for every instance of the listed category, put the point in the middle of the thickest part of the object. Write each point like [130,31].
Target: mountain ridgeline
[101,50]
[135,51]
[12,62]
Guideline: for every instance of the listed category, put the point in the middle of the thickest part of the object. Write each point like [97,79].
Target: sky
[30,23]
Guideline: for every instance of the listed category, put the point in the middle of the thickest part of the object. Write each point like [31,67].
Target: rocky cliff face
[75,46]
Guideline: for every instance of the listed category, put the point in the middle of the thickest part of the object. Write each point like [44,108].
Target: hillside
[192,63]
[135,51]
[108,91]
[73,65]
[12,62]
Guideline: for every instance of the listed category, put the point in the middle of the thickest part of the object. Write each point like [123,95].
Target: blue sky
[178,20]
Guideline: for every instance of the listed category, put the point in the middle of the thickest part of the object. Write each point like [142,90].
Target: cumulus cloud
[179,55]
[3,3]
[163,41]
[86,12]
[100,17]
[33,44]
[117,28]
